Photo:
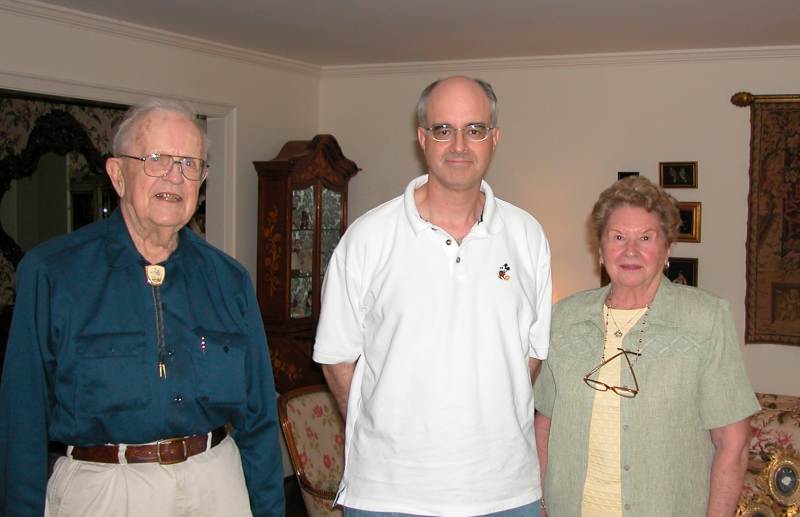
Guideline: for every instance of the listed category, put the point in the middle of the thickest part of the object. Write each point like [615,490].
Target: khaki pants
[207,484]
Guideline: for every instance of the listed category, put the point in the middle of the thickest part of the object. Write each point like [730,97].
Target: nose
[459,142]
[174,177]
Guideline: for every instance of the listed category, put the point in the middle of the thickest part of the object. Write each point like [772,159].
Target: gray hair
[639,192]
[422,104]
[126,129]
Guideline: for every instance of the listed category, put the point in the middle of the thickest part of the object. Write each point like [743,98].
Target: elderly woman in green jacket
[643,401]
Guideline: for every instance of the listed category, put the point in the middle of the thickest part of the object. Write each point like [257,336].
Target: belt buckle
[170,441]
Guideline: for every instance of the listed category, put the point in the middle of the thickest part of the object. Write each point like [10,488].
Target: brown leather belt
[165,452]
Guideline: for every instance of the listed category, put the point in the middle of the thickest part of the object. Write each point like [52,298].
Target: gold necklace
[621,329]
[642,328]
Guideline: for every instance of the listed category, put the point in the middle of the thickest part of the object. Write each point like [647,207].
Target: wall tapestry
[773,222]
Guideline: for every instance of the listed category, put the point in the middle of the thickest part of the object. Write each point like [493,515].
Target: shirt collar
[661,309]
[120,251]
[491,221]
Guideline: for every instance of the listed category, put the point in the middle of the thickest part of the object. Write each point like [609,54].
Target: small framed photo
[682,271]
[677,174]
[624,174]
[690,221]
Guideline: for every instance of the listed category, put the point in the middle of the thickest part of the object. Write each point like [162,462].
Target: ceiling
[357,32]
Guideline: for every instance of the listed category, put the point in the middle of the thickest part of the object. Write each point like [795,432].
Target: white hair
[126,130]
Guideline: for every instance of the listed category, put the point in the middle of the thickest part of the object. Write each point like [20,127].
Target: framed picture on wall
[677,174]
[624,174]
[690,221]
[682,271]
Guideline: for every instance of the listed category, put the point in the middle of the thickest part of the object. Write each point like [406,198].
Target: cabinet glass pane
[302,252]
[303,209]
[329,240]
[302,259]
[331,226]
[300,297]
[331,209]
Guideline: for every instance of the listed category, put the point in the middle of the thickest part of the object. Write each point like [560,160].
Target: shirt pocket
[112,373]
[220,366]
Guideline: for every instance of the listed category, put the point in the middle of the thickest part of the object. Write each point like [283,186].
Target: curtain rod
[744,99]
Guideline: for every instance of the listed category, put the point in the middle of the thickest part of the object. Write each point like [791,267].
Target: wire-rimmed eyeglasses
[158,165]
[622,391]
[472,132]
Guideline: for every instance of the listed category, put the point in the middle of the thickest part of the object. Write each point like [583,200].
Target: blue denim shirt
[82,360]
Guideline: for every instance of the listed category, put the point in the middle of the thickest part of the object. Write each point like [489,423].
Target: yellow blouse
[602,491]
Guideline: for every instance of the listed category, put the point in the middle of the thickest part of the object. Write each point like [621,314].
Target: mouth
[458,160]
[168,196]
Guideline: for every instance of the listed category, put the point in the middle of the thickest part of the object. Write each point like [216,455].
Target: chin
[176,221]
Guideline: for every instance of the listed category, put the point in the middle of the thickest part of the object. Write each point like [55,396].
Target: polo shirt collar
[491,222]
[120,251]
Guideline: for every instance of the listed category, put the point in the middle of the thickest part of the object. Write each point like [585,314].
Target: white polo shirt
[440,414]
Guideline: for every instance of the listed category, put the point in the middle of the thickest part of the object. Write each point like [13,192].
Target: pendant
[155,274]
[618,333]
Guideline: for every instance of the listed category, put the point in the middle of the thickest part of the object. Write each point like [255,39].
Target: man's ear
[495,137]
[114,171]
[421,138]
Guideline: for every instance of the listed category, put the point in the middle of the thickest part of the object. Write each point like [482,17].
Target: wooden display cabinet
[302,214]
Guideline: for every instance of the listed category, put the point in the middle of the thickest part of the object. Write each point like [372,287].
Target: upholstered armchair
[772,482]
[314,433]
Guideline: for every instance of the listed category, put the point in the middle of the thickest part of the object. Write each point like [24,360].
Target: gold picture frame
[755,509]
[690,212]
[784,479]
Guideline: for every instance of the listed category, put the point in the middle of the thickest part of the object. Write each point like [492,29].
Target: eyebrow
[612,229]
[448,124]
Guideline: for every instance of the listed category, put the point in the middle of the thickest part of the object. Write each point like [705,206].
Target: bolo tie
[155,275]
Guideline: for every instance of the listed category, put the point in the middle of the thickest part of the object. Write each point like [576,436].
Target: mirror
[52,170]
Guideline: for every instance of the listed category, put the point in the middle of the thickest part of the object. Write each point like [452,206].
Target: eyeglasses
[158,165]
[472,132]
[622,391]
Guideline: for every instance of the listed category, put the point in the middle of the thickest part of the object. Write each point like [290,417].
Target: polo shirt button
[225,348]
[448,242]
[627,507]
[627,467]
[458,260]
[625,427]
[177,399]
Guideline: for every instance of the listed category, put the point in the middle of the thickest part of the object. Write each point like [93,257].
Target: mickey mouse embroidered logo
[503,273]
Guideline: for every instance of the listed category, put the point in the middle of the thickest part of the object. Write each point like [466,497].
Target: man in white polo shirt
[435,315]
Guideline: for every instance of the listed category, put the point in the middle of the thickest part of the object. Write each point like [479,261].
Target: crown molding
[570,60]
[92,22]
[87,21]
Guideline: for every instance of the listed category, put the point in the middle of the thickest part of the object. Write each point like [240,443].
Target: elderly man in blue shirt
[134,342]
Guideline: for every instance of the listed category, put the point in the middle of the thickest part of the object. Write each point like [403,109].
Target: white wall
[257,103]
[568,125]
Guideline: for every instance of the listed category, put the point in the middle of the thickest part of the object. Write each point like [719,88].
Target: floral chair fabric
[771,485]
[314,433]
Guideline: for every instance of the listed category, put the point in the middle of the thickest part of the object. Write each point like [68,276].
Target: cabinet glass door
[331,227]
[302,260]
